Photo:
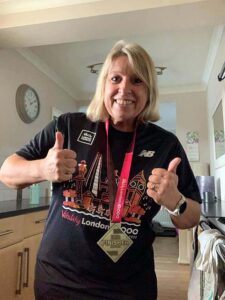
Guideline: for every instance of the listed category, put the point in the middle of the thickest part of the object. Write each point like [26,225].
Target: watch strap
[180,207]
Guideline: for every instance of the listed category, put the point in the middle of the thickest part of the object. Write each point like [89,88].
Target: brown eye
[115,79]
[137,80]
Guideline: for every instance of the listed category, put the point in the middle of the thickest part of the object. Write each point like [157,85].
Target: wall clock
[27,103]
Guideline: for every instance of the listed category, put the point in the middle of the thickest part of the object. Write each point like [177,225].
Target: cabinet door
[11,269]
[30,248]
[11,231]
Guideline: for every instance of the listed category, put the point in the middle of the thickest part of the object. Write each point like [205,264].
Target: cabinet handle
[40,221]
[26,266]
[20,269]
[5,232]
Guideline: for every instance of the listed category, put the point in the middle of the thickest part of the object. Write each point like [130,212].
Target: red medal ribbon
[124,177]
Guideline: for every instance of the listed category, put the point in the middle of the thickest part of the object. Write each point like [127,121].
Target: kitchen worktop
[213,209]
[12,208]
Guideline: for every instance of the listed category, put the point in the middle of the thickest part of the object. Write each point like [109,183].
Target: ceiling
[63,37]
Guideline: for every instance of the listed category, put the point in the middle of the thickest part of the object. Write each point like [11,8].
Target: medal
[115,242]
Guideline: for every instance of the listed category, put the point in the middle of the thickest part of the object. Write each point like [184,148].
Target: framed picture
[192,145]
[219,134]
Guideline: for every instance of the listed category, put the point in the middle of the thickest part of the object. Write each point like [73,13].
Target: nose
[125,87]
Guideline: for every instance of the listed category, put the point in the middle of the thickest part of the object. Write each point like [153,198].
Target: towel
[207,258]
[211,242]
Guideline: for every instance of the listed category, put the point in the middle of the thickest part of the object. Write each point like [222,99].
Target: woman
[111,171]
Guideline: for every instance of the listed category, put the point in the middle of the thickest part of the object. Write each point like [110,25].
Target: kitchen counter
[213,209]
[12,208]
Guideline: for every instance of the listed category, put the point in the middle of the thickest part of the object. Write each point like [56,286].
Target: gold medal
[115,242]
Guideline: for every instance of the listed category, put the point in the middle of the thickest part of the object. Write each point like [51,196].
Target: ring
[153,187]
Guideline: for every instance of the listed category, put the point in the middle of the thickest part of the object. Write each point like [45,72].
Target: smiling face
[125,95]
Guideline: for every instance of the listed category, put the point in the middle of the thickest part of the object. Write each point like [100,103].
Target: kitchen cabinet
[20,237]
[10,265]
[30,248]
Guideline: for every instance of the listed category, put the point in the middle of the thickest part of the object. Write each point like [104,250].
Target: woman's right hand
[59,164]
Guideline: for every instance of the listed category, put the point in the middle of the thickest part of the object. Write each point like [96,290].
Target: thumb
[174,164]
[59,140]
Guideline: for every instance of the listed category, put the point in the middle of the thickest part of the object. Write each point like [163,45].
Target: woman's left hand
[162,185]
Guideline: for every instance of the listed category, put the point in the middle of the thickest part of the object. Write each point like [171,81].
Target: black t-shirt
[70,263]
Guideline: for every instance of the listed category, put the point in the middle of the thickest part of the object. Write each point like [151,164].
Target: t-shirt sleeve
[38,146]
[187,184]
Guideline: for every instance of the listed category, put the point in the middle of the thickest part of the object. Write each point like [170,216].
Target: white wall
[191,115]
[15,70]
[215,92]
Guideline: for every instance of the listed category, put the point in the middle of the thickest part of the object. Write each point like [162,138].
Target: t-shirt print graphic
[86,193]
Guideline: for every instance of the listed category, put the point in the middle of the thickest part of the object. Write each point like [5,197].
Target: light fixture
[94,68]
[159,70]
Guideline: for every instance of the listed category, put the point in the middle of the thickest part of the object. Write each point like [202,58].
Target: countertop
[12,208]
[214,209]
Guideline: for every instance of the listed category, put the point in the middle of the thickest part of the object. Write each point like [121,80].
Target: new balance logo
[145,153]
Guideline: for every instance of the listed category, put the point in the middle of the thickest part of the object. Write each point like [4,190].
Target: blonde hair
[143,67]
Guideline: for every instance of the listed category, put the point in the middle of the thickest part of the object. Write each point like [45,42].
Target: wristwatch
[180,207]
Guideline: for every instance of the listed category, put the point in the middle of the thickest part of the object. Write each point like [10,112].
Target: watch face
[27,103]
[183,207]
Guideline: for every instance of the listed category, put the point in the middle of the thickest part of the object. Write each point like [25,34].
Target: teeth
[123,101]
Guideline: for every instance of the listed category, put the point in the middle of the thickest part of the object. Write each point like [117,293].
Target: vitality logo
[86,137]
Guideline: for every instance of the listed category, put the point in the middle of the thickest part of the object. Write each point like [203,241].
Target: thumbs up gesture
[162,185]
[59,164]
[59,140]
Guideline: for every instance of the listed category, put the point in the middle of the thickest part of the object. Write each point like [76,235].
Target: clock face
[31,103]
[27,103]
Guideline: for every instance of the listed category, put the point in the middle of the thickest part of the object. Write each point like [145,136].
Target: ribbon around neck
[117,198]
